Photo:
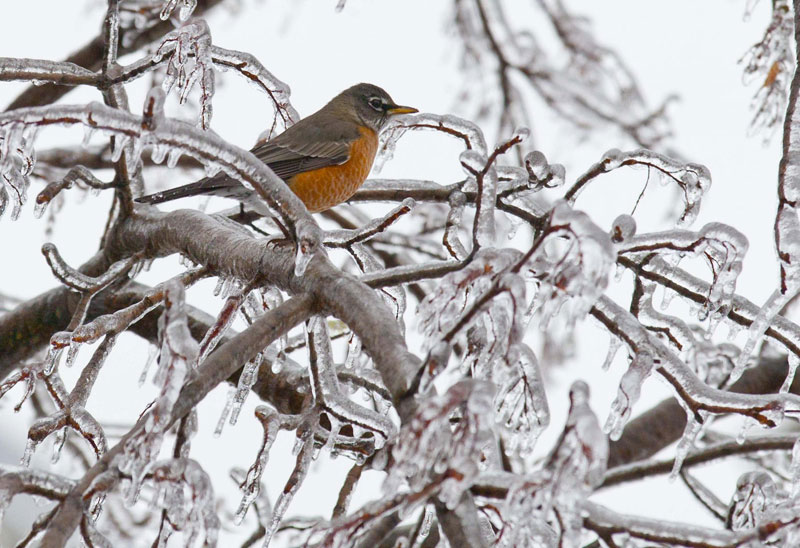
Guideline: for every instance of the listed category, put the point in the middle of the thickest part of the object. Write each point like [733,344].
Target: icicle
[220,284]
[693,428]
[630,387]
[301,261]
[794,469]
[226,411]
[251,486]
[292,485]
[614,345]
[88,133]
[757,329]
[794,361]
[119,144]
[457,200]
[30,447]
[353,353]
[247,379]
[72,354]
[152,352]
[158,153]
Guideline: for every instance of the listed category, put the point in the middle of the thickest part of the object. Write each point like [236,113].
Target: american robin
[323,158]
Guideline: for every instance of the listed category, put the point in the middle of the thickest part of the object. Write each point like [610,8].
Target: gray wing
[289,157]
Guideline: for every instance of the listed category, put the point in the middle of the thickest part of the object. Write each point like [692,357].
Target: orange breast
[324,188]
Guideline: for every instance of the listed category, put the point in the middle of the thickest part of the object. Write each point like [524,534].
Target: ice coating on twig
[452,226]
[693,179]
[430,446]
[721,245]
[178,353]
[394,296]
[77,174]
[329,397]
[223,321]
[630,387]
[580,456]
[766,314]
[344,238]
[441,309]
[185,493]
[251,486]
[15,481]
[305,453]
[571,472]
[521,401]
[249,67]
[184,11]
[464,130]
[755,494]
[17,159]
[542,174]
[769,64]
[188,53]
[571,265]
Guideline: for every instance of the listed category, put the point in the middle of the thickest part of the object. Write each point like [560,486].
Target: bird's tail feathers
[215,186]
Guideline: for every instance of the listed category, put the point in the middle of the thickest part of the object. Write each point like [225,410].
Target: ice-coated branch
[664,423]
[698,399]
[787,223]
[742,311]
[607,522]
[693,179]
[41,71]
[252,69]
[87,286]
[220,365]
[91,57]
[710,453]
[229,253]
[580,80]
[770,64]
[345,238]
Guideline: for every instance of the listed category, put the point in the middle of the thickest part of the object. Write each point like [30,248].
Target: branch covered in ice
[694,180]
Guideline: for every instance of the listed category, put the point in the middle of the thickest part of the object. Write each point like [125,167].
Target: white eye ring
[376,103]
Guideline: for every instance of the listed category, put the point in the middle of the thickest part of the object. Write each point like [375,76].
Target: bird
[323,158]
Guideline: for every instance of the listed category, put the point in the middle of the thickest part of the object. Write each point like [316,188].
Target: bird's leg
[281,242]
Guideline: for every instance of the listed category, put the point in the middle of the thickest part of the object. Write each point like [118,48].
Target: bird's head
[371,105]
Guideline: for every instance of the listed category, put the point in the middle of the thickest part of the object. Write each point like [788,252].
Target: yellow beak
[401,110]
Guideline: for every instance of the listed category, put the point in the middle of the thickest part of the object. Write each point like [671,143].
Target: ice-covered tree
[402,331]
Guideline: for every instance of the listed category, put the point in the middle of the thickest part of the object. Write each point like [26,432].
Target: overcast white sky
[686,47]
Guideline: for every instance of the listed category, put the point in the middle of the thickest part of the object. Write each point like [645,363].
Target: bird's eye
[376,103]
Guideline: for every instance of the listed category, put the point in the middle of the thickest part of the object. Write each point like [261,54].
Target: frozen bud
[472,161]
[755,494]
[153,108]
[521,134]
[578,393]
[613,157]
[558,174]
[536,164]
[623,228]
